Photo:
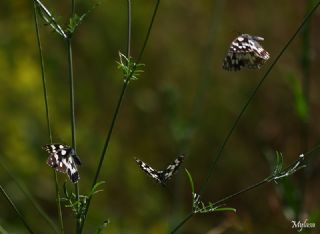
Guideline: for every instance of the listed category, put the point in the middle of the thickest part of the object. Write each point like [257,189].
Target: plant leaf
[190,180]
[226,209]
[49,19]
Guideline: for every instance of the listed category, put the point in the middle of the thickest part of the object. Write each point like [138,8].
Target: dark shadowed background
[184,102]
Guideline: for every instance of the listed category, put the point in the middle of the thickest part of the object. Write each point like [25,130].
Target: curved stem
[44,82]
[45,95]
[148,32]
[129,30]
[72,117]
[71,87]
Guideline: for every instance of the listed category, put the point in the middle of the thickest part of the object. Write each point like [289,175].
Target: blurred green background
[184,102]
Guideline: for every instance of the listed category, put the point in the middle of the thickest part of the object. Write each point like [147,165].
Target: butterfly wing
[72,170]
[76,159]
[161,176]
[245,51]
[257,55]
[53,148]
[57,154]
[149,170]
[233,61]
[171,169]
[55,161]
[63,159]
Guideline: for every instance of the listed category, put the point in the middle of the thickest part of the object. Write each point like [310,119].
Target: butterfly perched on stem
[161,176]
[245,52]
[63,158]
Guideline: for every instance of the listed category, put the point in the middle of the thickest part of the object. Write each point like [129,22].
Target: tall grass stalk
[235,124]
[121,96]
[16,210]
[72,105]
[45,95]
[73,118]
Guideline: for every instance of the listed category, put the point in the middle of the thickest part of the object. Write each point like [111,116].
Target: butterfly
[161,176]
[63,158]
[245,51]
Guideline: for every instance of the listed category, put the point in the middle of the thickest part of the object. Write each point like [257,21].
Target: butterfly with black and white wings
[245,52]
[63,158]
[161,177]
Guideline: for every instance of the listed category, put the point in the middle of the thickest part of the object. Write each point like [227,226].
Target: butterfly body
[245,52]
[163,176]
[64,159]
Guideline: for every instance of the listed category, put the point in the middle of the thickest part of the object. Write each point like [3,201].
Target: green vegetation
[67,70]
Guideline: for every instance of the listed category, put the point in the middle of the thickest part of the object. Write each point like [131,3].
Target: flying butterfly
[63,158]
[161,177]
[245,52]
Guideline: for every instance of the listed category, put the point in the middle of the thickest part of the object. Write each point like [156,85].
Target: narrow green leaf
[226,209]
[95,187]
[98,184]
[49,19]
[190,180]
[279,162]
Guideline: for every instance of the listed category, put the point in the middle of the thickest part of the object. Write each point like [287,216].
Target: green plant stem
[58,201]
[148,32]
[44,82]
[73,118]
[16,209]
[45,95]
[129,30]
[265,180]
[119,102]
[71,86]
[218,155]
[50,19]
